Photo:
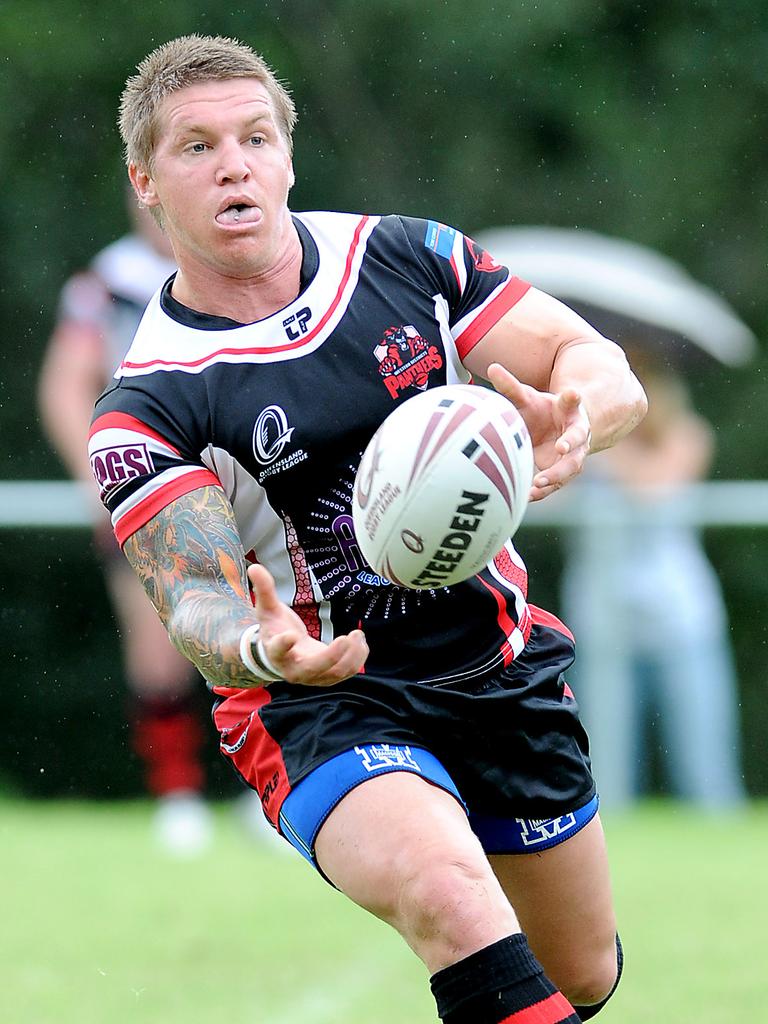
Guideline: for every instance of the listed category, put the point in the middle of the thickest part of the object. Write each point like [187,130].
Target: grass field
[99,928]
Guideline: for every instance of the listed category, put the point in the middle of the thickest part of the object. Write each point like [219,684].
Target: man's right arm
[190,560]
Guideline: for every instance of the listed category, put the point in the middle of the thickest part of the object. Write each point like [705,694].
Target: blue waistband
[529,835]
[308,805]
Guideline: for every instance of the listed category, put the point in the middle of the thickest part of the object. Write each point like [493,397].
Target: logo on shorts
[406,359]
[232,748]
[113,466]
[534,831]
[383,755]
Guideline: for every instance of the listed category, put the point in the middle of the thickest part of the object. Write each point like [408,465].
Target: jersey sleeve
[141,462]
[478,290]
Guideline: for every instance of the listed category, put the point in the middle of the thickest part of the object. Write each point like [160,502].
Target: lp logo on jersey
[112,466]
[296,325]
[271,434]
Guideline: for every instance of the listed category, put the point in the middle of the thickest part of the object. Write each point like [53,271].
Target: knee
[589,983]
[448,906]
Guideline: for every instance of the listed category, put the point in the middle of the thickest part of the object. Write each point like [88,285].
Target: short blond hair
[185,61]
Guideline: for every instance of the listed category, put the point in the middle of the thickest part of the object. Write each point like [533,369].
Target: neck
[243,297]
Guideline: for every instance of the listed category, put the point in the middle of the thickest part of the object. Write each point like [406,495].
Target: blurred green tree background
[641,120]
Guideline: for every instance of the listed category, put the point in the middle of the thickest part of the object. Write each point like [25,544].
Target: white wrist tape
[257,662]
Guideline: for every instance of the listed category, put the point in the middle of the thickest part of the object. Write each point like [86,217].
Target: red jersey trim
[506,623]
[122,421]
[541,617]
[511,294]
[270,349]
[140,514]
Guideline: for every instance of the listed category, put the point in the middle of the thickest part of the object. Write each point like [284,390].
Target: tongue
[238,215]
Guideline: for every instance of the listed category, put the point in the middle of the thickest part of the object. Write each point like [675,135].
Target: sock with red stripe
[501,984]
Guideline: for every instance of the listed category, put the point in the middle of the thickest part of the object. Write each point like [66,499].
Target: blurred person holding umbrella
[643,596]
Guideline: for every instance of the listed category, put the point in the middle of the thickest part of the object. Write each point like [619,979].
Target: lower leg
[164,715]
[562,897]
[168,737]
[501,984]
[403,850]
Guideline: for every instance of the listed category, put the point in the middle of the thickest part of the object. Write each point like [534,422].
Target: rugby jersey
[278,413]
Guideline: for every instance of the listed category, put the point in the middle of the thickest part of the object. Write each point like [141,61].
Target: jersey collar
[207,321]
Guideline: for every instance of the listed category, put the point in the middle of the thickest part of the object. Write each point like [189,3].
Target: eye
[197,147]
[256,140]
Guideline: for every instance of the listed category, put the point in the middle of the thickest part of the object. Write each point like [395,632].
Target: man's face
[221,175]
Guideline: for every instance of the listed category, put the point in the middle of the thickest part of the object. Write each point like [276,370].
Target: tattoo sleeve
[190,560]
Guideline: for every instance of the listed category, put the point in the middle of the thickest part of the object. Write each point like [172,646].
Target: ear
[291,175]
[143,186]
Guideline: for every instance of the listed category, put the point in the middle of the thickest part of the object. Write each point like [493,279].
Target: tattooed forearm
[190,560]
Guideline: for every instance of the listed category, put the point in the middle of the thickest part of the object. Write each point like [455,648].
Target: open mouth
[238,213]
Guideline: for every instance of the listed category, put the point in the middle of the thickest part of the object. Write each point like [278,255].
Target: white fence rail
[47,503]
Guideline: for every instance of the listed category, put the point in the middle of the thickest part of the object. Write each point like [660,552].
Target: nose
[232,165]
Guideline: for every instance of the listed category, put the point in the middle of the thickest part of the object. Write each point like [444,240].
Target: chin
[241,264]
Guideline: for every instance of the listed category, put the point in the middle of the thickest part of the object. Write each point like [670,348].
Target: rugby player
[421,749]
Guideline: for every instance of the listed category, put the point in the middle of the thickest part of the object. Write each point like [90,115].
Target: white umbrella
[627,281]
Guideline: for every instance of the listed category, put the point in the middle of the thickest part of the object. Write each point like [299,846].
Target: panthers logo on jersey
[406,359]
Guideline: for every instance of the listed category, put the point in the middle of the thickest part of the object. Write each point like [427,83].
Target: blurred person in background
[642,596]
[99,310]
[679,683]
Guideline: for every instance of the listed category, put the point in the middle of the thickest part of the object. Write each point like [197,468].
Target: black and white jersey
[278,412]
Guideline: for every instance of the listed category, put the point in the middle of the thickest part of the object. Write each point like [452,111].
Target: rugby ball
[442,485]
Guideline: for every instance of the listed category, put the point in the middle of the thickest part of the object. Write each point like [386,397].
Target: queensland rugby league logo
[271,435]
[406,359]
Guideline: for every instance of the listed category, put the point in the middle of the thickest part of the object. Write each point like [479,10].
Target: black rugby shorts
[510,747]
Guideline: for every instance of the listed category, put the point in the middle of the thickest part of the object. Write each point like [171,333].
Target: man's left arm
[574,387]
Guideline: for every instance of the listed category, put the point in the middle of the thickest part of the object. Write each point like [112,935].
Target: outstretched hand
[297,656]
[558,425]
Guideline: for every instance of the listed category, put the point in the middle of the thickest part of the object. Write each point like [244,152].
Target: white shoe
[183,826]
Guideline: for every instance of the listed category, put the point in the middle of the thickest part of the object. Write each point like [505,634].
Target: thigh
[562,899]
[375,834]
[402,849]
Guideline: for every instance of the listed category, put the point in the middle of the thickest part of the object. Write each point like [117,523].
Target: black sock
[501,984]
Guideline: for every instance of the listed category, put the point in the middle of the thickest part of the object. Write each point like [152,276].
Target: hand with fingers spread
[294,654]
[558,425]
